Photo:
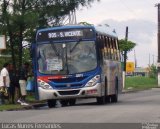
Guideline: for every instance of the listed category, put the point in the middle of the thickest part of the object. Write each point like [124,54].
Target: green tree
[85,23]
[153,71]
[125,47]
[19,20]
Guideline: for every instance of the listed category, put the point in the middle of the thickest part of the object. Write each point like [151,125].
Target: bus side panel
[120,85]
[107,69]
[112,69]
[116,74]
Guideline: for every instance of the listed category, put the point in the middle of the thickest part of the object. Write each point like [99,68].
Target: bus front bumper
[84,92]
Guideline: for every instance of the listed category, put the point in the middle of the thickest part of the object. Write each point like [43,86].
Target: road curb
[37,105]
[130,91]
[133,90]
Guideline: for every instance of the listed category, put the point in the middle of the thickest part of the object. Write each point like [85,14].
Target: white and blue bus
[72,62]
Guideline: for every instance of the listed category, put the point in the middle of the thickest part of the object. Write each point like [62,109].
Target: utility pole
[158,39]
[125,52]
[125,59]
[135,59]
[149,61]
[153,59]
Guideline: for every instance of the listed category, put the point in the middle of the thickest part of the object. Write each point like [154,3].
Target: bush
[153,71]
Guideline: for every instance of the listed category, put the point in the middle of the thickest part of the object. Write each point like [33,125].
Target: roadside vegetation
[10,107]
[140,83]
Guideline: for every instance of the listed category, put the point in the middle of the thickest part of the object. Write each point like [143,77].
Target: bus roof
[100,29]
[106,30]
[65,27]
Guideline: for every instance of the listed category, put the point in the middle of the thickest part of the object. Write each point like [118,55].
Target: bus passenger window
[105,49]
[118,52]
[114,49]
[103,46]
[111,49]
[100,49]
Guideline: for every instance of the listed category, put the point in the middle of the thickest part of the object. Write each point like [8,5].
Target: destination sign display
[66,34]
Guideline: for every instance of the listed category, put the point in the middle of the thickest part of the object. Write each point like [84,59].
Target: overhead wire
[132,10]
[125,5]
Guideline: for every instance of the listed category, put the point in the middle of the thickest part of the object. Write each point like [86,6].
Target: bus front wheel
[64,103]
[101,100]
[72,102]
[51,103]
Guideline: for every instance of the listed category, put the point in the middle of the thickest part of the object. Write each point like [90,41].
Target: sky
[140,17]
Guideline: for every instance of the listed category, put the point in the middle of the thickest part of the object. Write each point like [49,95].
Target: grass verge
[7,106]
[10,107]
[140,83]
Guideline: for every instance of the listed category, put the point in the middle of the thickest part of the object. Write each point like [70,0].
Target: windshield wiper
[78,42]
[55,50]
[67,62]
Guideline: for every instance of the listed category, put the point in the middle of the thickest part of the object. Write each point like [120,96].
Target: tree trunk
[6,17]
[21,30]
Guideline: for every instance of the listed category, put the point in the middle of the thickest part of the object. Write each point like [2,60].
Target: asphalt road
[136,107]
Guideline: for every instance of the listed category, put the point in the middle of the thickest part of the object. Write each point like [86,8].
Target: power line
[132,10]
[125,5]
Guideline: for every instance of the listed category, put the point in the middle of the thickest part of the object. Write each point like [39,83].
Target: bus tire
[107,99]
[101,100]
[114,98]
[64,102]
[72,102]
[51,103]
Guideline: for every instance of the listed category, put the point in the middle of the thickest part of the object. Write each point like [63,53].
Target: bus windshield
[67,57]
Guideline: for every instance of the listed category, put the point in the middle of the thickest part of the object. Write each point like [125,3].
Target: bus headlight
[93,81]
[44,85]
